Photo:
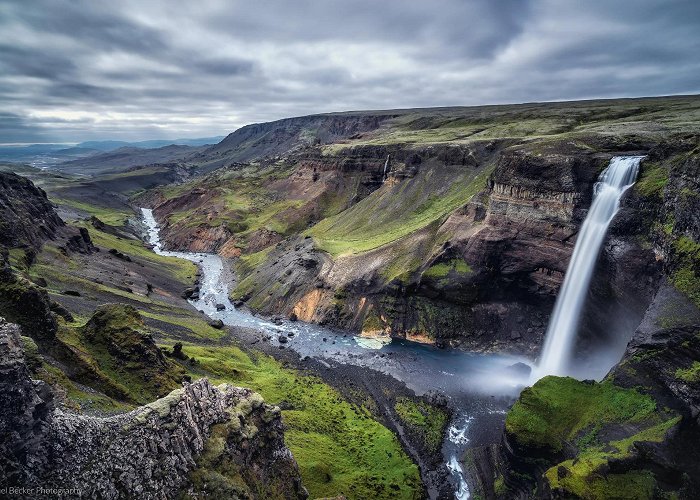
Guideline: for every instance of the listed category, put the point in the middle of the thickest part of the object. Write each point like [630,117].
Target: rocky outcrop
[27,217]
[632,434]
[664,353]
[27,304]
[172,445]
[27,220]
[80,242]
[114,353]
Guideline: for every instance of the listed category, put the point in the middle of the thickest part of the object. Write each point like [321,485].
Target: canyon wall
[480,274]
[632,433]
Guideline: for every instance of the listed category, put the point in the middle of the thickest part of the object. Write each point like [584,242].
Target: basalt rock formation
[198,440]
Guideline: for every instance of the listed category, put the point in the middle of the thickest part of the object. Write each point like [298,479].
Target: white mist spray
[563,326]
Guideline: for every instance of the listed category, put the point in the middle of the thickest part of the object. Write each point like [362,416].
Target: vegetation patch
[197,325]
[634,485]
[249,262]
[219,476]
[586,476]
[499,486]
[426,420]
[77,397]
[442,269]
[560,414]
[180,269]
[685,278]
[340,448]
[555,410]
[653,180]
[110,216]
[690,374]
[389,214]
[114,354]
[373,323]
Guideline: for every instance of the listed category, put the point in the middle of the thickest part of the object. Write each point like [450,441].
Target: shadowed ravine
[479,387]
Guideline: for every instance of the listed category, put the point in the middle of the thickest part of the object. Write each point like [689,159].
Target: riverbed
[478,387]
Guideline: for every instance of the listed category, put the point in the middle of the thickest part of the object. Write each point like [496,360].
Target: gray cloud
[73,70]
[14,128]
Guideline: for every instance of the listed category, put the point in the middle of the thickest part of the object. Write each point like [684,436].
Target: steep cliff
[451,226]
[632,434]
[266,140]
[455,239]
[198,440]
[27,217]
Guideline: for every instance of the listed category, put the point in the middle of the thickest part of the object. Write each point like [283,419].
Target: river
[478,387]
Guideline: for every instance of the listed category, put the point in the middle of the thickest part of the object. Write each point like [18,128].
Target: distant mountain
[9,152]
[48,155]
[127,157]
[43,155]
[156,143]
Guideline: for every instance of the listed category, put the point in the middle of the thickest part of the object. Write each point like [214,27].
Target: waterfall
[386,166]
[620,174]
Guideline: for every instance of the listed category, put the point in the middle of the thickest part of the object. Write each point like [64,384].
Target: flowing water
[479,387]
[560,339]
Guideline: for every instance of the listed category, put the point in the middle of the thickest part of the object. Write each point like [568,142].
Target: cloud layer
[75,70]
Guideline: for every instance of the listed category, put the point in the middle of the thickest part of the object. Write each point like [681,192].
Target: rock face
[422,252]
[491,267]
[634,434]
[26,215]
[23,302]
[155,451]
[283,136]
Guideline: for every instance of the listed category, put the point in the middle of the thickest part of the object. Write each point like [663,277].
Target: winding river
[479,387]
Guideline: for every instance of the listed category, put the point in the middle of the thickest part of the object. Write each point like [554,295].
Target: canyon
[434,233]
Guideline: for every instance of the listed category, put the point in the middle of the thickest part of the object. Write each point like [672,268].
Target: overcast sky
[78,70]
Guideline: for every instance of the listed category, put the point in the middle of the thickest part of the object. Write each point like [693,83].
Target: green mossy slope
[340,448]
[393,212]
[596,423]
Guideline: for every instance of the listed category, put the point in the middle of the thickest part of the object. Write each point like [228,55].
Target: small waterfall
[386,166]
[620,174]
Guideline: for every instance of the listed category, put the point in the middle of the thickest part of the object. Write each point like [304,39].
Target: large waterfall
[620,174]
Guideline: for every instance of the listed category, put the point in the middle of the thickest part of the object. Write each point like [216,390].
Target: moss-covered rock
[556,411]
[121,357]
[28,305]
[582,431]
[428,421]
[633,435]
